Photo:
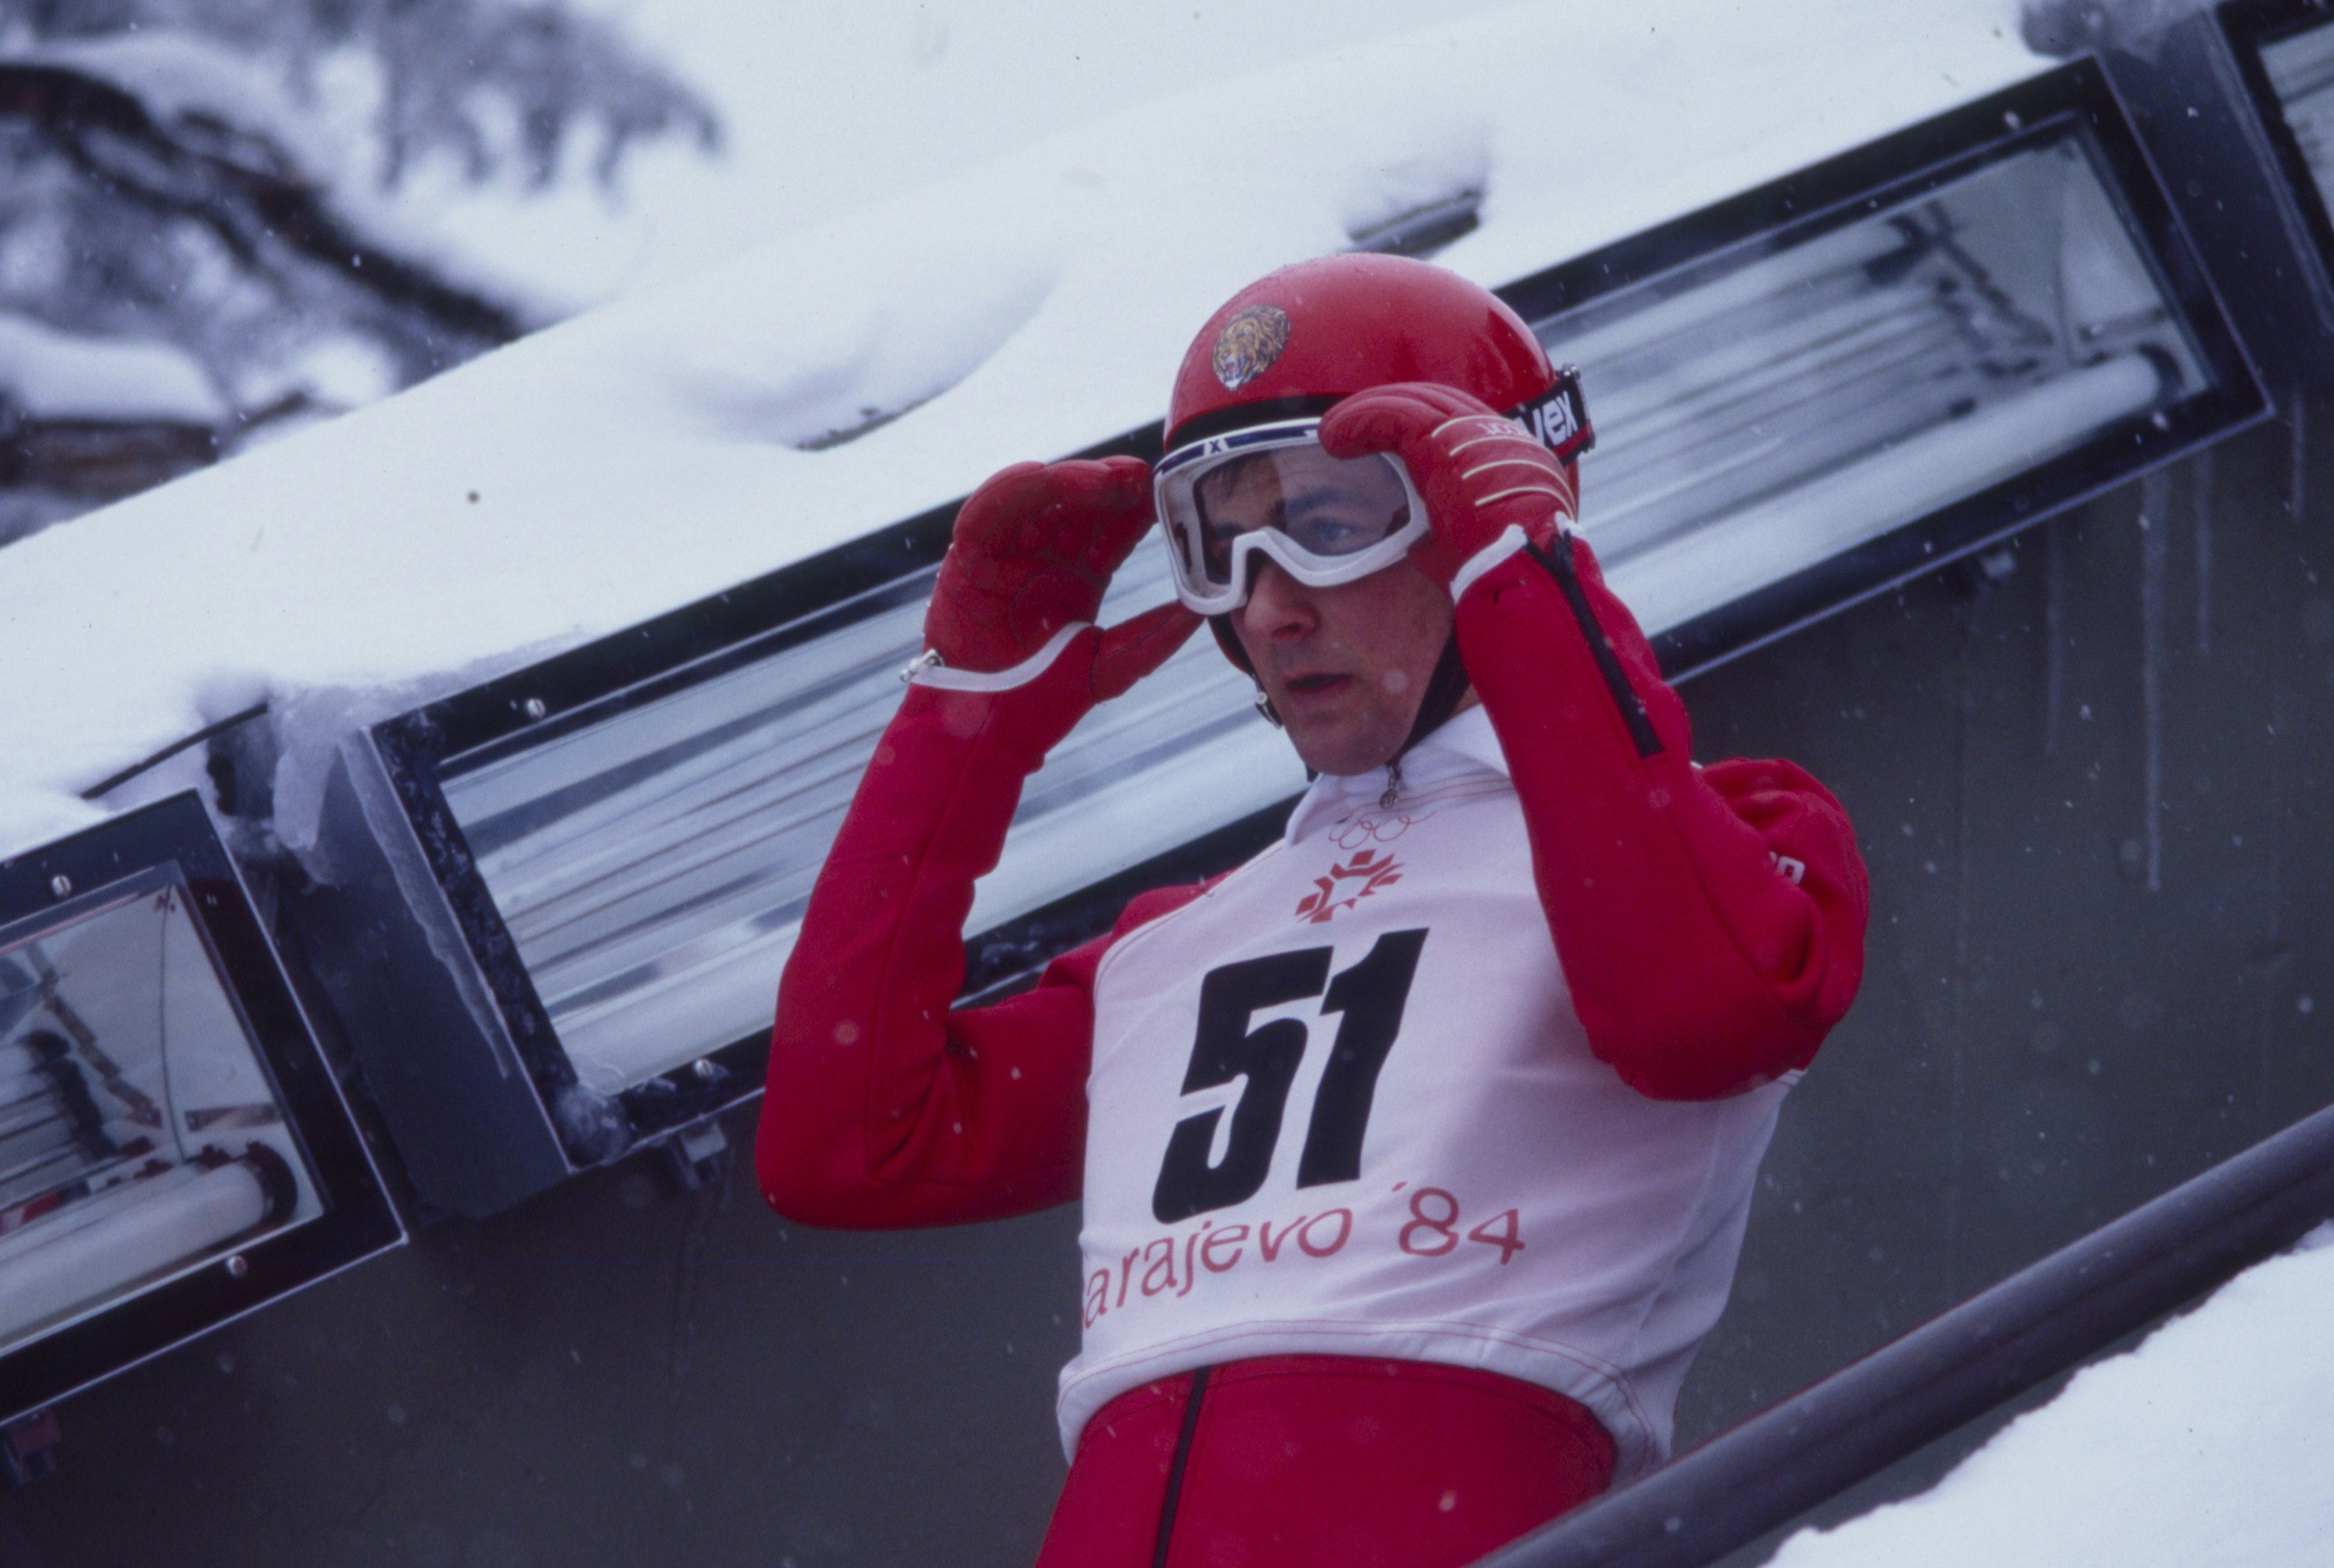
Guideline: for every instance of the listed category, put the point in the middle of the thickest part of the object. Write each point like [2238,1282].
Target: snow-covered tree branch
[187,184]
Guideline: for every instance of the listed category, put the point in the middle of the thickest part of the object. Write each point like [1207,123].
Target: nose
[1278,606]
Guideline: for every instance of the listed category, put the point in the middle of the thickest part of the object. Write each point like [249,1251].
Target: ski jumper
[1461,1086]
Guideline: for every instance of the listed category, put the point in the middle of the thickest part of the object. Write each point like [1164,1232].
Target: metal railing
[1996,1345]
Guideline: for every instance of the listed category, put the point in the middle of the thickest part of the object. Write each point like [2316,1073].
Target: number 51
[1368,998]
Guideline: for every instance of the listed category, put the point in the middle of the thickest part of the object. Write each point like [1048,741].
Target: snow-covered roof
[655,450]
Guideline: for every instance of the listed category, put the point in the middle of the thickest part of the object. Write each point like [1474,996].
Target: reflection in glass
[652,866]
[140,1134]
[1774,405]
[2301,71]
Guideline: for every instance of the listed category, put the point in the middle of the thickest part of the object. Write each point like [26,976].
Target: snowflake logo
[1338,889]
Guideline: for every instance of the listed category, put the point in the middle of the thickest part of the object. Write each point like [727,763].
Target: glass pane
[141,1135]
[1763,410]
[653,867]
[2301,70]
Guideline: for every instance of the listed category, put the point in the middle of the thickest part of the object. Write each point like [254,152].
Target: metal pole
[1873,1412]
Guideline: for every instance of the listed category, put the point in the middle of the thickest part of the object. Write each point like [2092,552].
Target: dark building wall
[2089,777]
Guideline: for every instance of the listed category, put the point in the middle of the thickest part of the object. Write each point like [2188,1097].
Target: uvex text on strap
[1558,418]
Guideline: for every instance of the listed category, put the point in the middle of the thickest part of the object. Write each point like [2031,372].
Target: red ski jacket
[1709,922]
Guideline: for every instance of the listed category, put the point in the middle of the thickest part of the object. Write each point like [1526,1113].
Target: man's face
[1345,667]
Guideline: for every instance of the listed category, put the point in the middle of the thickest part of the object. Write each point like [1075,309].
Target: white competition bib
[1340,1105]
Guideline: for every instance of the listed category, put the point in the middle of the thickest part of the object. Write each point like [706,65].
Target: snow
[51,375]
[653,452]
[2208,1445]
[891,97]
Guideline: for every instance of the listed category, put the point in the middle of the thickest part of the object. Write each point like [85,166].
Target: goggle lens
[1325,508]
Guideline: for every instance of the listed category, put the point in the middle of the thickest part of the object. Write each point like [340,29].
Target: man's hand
[1477,472]
[1033,550]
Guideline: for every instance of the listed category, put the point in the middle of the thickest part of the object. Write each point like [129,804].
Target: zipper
[1175,1466]
[1558,566]
[1394,785]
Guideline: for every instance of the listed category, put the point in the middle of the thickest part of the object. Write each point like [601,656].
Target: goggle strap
[1558,418]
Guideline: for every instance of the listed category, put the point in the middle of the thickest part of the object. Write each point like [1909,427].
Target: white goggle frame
[1187,550]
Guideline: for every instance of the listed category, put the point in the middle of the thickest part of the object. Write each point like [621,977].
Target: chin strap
[1221,626]
[1445,690]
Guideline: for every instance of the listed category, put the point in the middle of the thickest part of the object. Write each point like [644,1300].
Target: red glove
[1032,552]
[1477,472]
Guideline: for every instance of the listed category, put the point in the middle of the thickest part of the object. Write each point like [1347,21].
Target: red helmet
[1292,343]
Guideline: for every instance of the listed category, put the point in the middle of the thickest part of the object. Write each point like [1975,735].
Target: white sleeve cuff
[1510,540]
[942,677]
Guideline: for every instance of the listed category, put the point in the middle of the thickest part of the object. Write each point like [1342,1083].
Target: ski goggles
[1272,490]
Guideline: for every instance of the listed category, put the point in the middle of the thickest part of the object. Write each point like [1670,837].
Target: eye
[1327,525]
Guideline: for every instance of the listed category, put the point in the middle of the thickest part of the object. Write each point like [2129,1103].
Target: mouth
[1314,695]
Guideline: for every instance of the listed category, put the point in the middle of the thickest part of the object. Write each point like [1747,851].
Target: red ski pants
[1307,1461]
